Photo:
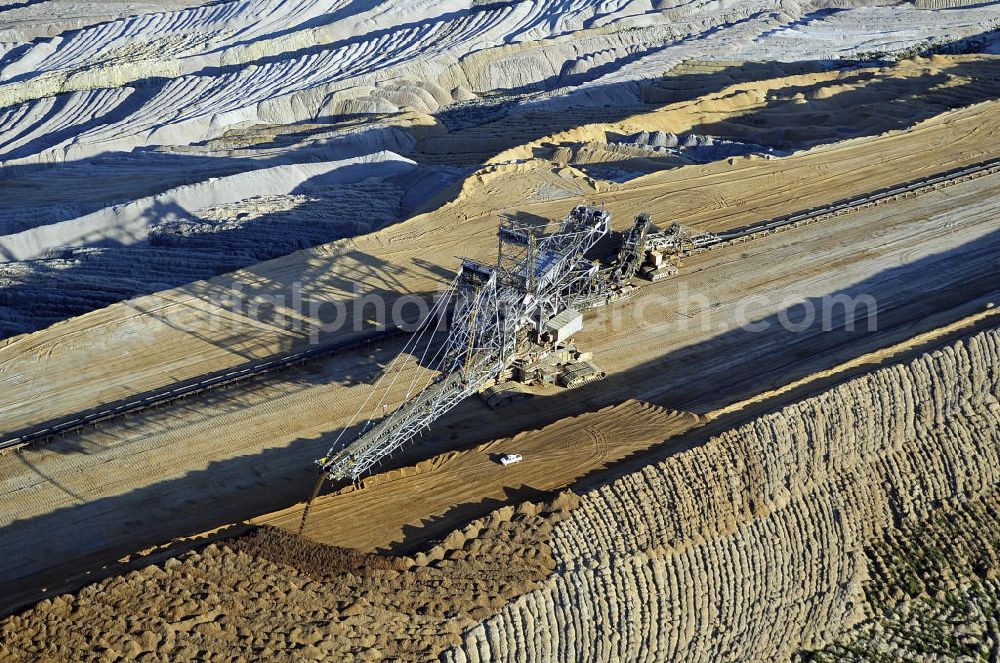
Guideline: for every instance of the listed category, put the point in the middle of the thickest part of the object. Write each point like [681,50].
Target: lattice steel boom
[539,273]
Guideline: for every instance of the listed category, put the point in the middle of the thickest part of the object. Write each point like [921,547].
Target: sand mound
[132,223]
[271,595]
[785,106]
[311,558]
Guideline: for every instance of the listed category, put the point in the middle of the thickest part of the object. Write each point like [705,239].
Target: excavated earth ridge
[753,546]
[146,147]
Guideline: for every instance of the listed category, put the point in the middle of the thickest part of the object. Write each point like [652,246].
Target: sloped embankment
[754,545]
[935,586]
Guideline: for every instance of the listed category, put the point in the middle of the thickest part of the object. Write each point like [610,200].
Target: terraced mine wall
[807,529]
[194,139]
[935,587]
[753,546]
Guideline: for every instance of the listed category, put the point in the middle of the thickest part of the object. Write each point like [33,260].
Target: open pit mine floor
[676,347]
[894,471]
[795,452]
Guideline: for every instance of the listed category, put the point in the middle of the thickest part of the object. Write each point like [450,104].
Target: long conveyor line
[237,375]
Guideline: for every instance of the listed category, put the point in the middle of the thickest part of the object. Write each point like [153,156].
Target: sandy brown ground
[775,529]
[277,597]
[149,342]
[239,453]
[758,544]
[403,508]
[459,486]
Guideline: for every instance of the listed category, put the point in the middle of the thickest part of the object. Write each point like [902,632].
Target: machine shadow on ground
[235,489]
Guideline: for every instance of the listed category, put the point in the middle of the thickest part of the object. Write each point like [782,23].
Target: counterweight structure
[498,313]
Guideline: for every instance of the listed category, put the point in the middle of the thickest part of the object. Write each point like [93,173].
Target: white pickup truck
[510,459]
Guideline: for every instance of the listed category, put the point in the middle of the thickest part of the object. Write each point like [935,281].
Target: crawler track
[154,399]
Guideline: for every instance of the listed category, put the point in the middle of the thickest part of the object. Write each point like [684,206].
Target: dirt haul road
[776,528]
[200,464]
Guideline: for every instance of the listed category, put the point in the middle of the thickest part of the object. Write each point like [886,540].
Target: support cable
[375,387]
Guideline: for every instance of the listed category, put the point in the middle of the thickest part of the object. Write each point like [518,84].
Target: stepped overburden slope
[185,185]
[144,151]
[768,528]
